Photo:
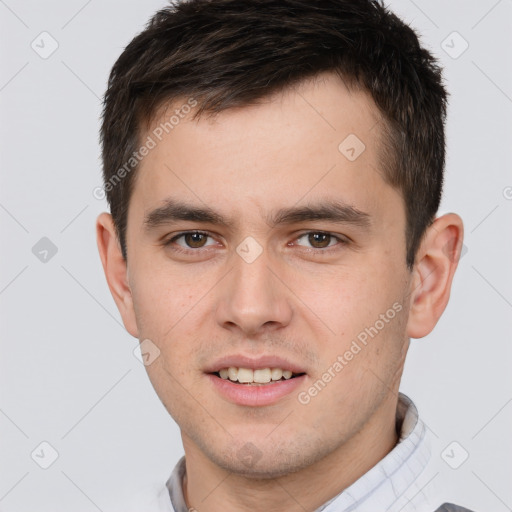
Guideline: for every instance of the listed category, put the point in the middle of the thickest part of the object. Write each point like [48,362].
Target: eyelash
[341,241]
[178,248]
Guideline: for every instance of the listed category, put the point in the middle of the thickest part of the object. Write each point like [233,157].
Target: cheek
[349,299]
[365,312]
[162,296]
[171,310]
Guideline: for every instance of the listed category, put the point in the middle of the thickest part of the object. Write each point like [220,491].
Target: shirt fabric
[397,483]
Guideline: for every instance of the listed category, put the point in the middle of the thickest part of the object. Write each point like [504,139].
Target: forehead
[317,138]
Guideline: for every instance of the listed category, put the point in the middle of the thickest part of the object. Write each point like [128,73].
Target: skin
[298,299]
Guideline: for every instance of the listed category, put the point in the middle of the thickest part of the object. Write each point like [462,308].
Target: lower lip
[263,394]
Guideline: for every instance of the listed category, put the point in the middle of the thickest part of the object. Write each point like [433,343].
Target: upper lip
[254,363]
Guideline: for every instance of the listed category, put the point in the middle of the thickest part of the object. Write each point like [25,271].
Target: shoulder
[450,507]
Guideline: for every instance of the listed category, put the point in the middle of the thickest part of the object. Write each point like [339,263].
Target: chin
[262,469]
[262,461]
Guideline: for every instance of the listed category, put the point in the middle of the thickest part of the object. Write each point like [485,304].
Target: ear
[435,265]
[116,271]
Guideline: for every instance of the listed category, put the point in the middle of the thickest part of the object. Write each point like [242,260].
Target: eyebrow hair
[334,211]
[175,210]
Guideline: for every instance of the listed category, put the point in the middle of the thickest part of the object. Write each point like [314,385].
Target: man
[274,169]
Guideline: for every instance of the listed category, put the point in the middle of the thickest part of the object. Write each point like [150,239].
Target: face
[264,239]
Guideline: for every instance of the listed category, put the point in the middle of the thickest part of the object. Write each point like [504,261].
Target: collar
[386,486]
[392,484]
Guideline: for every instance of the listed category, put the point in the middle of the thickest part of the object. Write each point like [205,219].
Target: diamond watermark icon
[44,250]
[454,45]
[146,352]
[45,45]
[454,455]
[450,250]
[352,147]
[44,455]
[249,454]
[249,250]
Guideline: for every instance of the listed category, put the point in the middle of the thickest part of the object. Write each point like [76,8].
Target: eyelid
[341,240]
[176,236]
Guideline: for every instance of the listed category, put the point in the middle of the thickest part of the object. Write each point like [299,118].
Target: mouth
[255,381]
[256,377]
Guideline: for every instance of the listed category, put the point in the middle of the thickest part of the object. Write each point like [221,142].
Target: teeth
[245,375]
[260,376]
[277,373]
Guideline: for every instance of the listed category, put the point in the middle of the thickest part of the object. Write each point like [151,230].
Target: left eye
[319,239]
[192,240]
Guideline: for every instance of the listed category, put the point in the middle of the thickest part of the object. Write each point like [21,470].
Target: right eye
[190,240]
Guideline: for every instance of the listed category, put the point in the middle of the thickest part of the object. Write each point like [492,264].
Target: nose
[253,300]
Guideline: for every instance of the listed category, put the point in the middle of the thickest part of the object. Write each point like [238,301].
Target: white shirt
[397,483]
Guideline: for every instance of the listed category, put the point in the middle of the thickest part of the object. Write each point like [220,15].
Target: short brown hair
[231,53]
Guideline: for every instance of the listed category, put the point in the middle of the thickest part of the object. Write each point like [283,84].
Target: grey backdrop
[68,374]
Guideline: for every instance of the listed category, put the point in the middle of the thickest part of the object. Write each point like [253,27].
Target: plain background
[68,373]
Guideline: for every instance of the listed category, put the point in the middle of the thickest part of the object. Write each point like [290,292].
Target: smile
[258,376]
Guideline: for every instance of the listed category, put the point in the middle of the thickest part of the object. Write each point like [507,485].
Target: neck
[207,486]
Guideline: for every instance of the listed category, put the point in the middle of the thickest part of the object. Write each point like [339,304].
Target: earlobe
[115,268]
[436,262]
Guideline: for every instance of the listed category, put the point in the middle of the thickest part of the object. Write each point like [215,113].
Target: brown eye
[195,240]
[319,240]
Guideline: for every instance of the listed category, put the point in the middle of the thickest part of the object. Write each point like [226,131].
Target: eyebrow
[331,211]
[174,210]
